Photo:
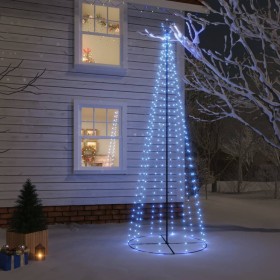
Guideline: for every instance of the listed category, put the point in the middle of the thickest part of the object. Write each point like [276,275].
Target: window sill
[100,171]
[100,69]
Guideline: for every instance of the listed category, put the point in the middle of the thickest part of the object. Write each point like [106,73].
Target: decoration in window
[100,35]
[87,55]
[89,132]
[99,137]
[102,21]
[86,18]
[88,154]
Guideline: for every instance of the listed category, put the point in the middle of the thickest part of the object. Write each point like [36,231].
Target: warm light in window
[100,137]
[100,34]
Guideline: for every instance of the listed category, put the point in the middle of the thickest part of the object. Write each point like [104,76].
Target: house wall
[38,128]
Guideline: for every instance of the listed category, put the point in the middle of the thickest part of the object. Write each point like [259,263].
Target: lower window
[99,137]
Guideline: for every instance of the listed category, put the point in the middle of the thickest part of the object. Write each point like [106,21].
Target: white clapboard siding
[74,85]
[8,19]
[17,9]
[43,154]
[73,76]
[34,162]
[75,179]
[136,99]
[36,130]
[55,66]
[38,7]
[53,3]
[31,31]
[56,154]
[58,170]
[19,46]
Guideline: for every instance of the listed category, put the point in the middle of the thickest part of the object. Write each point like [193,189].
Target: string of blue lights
[167,185]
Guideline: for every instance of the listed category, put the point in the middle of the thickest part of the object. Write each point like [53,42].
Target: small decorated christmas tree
[28,216]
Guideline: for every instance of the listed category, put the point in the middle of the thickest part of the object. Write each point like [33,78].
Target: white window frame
[99,68]
[122,168]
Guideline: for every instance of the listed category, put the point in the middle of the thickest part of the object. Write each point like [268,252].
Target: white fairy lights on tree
[242,80]
[112,145]
[167,181]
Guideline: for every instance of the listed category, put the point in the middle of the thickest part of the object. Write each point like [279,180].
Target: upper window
[99,133]
[99,36]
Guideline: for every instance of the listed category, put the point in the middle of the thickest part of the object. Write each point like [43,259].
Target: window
[100,32]
[99,137]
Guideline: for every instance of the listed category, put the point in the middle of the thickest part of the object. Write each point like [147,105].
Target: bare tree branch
[241,81]
[6,89]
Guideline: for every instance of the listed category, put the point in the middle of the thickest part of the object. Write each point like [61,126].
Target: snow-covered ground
[243,234]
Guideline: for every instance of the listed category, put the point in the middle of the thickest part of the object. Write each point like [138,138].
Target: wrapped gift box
[10,262]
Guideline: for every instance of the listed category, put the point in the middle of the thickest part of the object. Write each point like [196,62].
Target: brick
[84,213]
[54,214]
[62,208]
[77,219]
[146,216]
[76,208]
[71,213]
[112,212]
[91,207]
[50,220]
[120,217]
[3,210]
[62,219]
[99,212]
[11,210]
[148,206]
[119,206]
[6,216]
[105,207]
[127,212]
[105,217]
[91,218]
[49,209]
[3,222]
[110,221]
[99,222]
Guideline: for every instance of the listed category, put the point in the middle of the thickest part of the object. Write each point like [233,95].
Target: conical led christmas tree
[28,216]
[166,217]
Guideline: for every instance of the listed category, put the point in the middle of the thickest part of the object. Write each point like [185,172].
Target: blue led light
[167,184]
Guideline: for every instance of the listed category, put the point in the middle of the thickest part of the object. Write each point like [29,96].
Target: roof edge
[172,5]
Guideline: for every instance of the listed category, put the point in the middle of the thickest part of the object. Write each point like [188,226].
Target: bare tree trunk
[240,175]
[276,183]
[206,191]
[275,189]
[214,186]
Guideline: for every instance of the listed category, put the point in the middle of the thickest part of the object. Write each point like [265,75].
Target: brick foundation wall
[5,215]
[86,214]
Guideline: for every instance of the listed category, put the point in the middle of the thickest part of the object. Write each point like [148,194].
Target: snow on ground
[243,234]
